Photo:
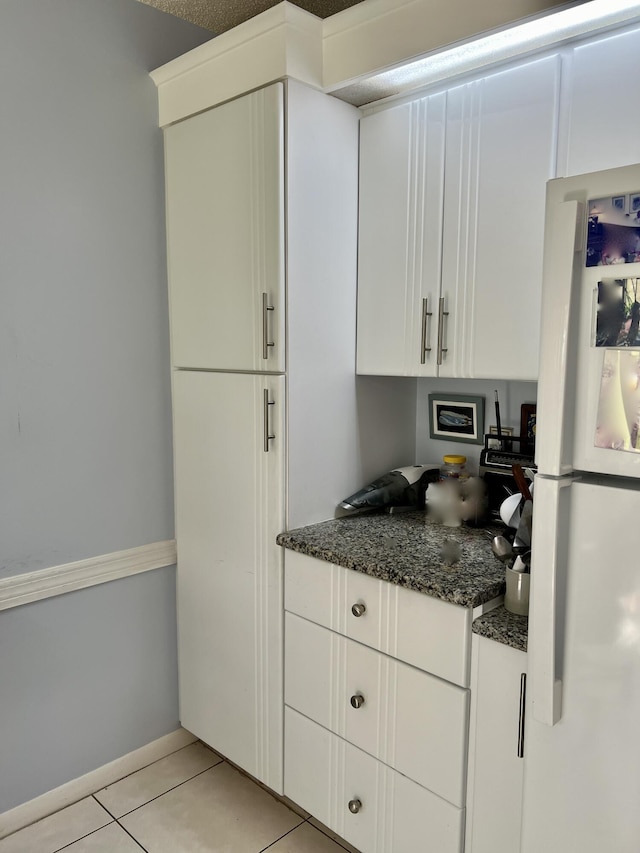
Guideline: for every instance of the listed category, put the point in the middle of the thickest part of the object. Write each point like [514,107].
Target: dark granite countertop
[406,548]
[504,627]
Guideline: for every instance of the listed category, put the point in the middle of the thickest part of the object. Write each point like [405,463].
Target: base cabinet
[496,748]
[407,718]
[375,734]
[367,803]
[229,510]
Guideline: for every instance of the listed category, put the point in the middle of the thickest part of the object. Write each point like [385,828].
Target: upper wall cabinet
[451,228]
[225,232]
[603,127]
[401,197]
[500,154]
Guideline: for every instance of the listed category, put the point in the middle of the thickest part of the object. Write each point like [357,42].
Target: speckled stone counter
[504,627]
[407,549]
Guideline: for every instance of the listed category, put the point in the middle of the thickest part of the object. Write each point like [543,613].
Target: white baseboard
[84,786]
[44,583]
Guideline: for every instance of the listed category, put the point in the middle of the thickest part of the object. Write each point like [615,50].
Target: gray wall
[85,677]
[85,424]
[511,394]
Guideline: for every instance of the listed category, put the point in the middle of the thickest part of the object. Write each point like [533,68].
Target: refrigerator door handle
[550,523]
[563,239]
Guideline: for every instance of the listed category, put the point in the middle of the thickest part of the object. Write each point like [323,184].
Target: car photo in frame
[456,417]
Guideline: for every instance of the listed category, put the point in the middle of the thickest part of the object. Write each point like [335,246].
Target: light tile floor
[192,801]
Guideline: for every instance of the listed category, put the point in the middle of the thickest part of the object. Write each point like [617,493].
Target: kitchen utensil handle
[521,482]
[523,696]
[441,315]
[266,343]
[267,436]
[425,344]
[550,523]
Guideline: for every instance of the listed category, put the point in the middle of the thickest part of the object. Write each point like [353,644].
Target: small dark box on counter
[496,464]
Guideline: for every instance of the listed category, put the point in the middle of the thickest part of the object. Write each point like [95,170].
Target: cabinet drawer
[411,720]
[324,774]
[416,628]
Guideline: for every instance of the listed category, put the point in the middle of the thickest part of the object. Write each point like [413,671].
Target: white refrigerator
[582,751]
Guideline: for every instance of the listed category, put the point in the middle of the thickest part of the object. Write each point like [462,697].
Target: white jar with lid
[454,467]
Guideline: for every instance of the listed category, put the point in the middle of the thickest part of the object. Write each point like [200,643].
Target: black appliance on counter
[496,467]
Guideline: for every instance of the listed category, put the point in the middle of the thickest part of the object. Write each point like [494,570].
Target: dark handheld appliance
[400,488]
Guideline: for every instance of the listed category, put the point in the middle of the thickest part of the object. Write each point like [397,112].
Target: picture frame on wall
[528,426]
[456,417]
[619,202]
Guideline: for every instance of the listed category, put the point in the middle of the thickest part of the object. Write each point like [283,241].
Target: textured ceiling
[221,15]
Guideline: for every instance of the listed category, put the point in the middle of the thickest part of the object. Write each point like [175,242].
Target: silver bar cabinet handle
[424,343]
[266,343]
[441,315]
[266,402]
[523,696]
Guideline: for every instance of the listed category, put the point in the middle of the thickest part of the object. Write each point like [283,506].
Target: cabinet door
[225,233]
[602,124]
[500,154]
[400,211]
[370,805]
[229,510]
[495,768]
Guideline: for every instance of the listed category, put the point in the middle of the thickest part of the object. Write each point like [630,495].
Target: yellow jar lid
[454,460]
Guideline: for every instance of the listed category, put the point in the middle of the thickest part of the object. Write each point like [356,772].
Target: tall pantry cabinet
[261,224]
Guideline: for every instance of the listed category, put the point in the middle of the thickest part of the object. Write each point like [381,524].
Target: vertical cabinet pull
[523,696]
[425,344]
[266,402]
[441,315]
[266,343]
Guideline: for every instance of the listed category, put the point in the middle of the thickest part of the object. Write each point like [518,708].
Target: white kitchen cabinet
[601,127]
[451,227]
[231,176]
[496,748]
[225,235]
[500,153]
[375,734]
[418,629]
[401,197]
[229,509]
[366,802]
[405,717]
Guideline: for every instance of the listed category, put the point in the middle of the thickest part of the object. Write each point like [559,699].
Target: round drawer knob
[359,609]
[357,701]
[355,806]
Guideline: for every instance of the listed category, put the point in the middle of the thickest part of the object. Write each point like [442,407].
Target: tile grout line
[157,797]
[144,767]
[123,828]
[132,837]
[82,837]
[293,829]
[325,834]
